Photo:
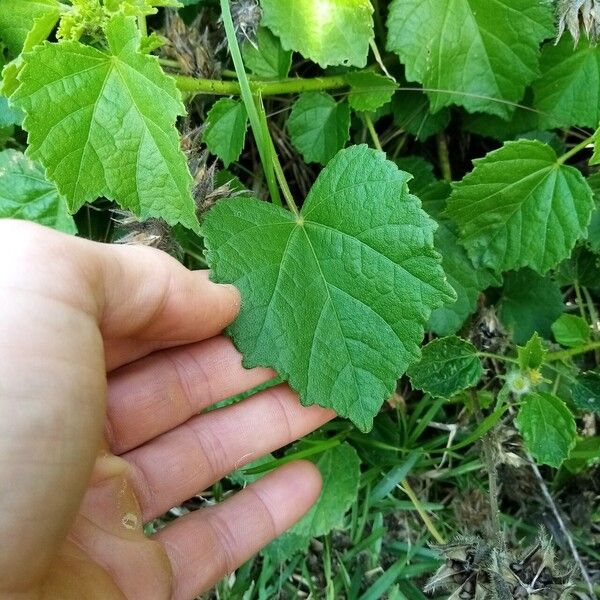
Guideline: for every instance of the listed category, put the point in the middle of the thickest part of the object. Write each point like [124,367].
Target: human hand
[87,458]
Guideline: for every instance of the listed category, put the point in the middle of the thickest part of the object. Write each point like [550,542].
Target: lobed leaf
[531,356]
[520,207]
[267,59]
[335,299]
[102,123]
[475,53]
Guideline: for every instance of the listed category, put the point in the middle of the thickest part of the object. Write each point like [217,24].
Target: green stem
[579,299]
[497,357]
[372,132]
[562,354]
[264,88]
[167,62]
[142,26]
[575,149]
[444,156]
[269,152]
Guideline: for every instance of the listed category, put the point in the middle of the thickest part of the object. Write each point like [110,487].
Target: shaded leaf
[585,392]
[268,59]
[529,303]
[319,126]
[225,129]
[411,111]
[448,365]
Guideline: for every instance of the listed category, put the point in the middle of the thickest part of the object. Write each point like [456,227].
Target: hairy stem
[372,132]
[562,354]
[264,88]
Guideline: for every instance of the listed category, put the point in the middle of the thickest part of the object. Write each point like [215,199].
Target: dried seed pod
[577,16]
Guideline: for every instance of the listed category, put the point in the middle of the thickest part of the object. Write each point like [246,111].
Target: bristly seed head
[577,16]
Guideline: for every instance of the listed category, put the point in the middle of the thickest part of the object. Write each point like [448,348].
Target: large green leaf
[17,19]
[520,207]
[319,126]
[476,53]
[225,129]
[328,32]
[568,91]
[448,365]
[548,428]
[334,299]
[467,281]
[25,193]
[529,303]
[103,124]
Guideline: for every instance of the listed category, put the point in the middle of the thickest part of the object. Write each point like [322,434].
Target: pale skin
[108,355]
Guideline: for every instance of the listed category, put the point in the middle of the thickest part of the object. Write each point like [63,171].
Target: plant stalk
[575,149]
[562,354]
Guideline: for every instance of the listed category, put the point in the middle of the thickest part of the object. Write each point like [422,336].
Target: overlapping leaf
[102,123]
[475,53]
[225,129]
[520,207]
[319,126]
[334,299]
[25,193]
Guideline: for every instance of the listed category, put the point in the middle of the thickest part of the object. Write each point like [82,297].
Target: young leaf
[531,356]
[585,392]
[319,126]
[548,428]
[571,331]
[529,303]
[467,281]
[17,19]
[411,111]
[475,53]
[563,94]
[340,471]
[328,32]
[334,299]
[102,123]
[267,59]
[448,365]
[225,132]
[520,207]
[25,193]
[369,91]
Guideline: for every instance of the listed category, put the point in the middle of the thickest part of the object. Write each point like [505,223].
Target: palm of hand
[98,456]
